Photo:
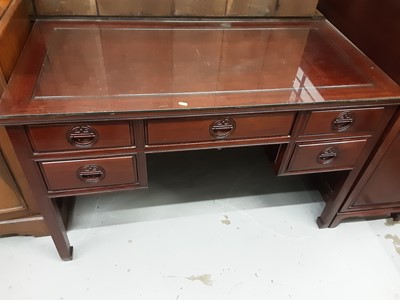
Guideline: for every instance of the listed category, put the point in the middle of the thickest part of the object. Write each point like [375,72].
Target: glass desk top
[76,67]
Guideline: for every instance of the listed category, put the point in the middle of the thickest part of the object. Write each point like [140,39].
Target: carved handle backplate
[328,155]
[91,173]
[83,136]
[343,122]
[222,128]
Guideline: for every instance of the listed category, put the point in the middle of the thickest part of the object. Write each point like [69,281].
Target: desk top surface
[78,67]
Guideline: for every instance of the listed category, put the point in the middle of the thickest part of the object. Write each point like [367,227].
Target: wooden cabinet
[331,140]
[382,186]
[19,213]
[11,199]
[377,191]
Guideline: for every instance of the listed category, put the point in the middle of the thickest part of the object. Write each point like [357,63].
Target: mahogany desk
[88,100]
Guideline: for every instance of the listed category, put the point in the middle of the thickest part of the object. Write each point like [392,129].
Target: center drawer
[87,173]
[189,130]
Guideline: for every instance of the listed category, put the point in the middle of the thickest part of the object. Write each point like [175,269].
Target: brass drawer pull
[328,155]
[343,122]
[91,173]
[222,128]
[83,136]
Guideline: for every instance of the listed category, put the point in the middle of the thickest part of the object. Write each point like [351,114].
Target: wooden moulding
[33,225]
[16,169]
[2,83]
[165,8]
[70,7]
[14,29]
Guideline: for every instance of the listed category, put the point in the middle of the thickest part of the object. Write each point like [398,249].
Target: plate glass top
[147,68]
[134,62]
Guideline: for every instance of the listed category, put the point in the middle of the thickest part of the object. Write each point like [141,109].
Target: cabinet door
[383,186]
[11,201]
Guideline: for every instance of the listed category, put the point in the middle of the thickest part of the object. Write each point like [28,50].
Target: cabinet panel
[383,186]
[14,29]
[11,199]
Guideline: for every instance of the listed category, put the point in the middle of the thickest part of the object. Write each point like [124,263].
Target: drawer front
[75,174]
[186,130]
[80,136]
[326,155]
[337,121]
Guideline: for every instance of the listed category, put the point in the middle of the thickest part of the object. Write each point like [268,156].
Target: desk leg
[52,216]
[38,191]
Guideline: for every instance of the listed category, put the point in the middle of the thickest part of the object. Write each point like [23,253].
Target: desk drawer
[187,130]
[337,121]
[75,174]
[80,136]
[326,156]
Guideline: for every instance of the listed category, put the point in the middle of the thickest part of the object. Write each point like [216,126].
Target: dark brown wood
[190,85]
[376,34]
[31,225]
[48,208]
[334,204]
[190,130]
[60,137]
[14,29]
[372,26]
[153,92]
[2,83]
[326,156]
[12,203]
[379,187]
[64,175]
[362,121]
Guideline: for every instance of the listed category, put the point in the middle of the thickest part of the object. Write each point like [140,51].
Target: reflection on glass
[107,63]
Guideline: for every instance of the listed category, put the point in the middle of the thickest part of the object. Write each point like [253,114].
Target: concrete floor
[220,225]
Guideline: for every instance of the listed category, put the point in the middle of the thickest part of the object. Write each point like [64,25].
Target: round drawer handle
[222,128]
[343,121]
[327,155]
[82,136]
[91,173]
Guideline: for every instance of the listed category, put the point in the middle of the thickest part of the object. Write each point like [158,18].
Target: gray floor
[220,225]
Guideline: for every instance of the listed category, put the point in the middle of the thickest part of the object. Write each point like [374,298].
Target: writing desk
[89,99]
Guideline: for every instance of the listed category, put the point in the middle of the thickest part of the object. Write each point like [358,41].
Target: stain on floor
[226,220]
[396,241]
[390,222]
[204,279]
